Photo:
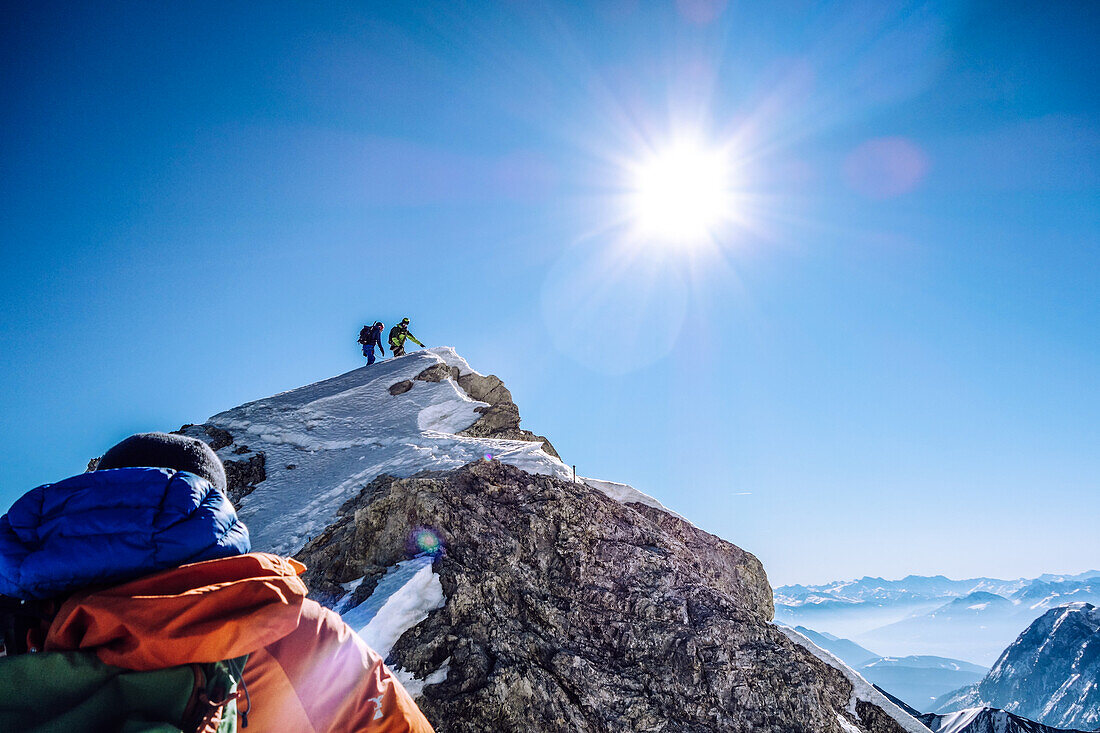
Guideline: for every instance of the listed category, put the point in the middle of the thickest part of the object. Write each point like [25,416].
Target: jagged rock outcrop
[216,437]
[500,419]
[569,611]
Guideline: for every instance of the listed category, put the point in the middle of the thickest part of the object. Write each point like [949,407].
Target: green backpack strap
[63,692]
[213,705]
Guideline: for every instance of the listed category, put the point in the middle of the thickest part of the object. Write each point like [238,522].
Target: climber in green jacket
[398,334]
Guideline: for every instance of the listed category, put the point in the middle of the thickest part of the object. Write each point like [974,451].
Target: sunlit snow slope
[325,441]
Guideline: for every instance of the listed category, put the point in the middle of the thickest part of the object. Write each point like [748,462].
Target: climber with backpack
[369,337]
[398,334]
[130,600]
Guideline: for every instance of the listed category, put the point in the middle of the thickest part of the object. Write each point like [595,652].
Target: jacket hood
[198,613]
[113,525]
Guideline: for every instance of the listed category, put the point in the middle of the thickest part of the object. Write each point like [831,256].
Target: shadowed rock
[401,387]
[243,476]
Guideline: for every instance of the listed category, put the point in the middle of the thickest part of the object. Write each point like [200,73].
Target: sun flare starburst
[680,195]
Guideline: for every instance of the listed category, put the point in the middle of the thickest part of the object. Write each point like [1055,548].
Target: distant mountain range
[909,588]
[1046,681]
[919,680]
[971,619]
[1051,673]
[915,680]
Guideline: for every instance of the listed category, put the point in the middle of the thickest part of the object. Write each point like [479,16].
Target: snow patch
[450,416]
[415,686]
[404,597]
[349,589]
[846,725]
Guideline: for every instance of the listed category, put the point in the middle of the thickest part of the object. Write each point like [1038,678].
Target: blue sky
[888,365]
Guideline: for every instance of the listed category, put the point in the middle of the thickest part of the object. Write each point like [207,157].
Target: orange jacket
[307,671]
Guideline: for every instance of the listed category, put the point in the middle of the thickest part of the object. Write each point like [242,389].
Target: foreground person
[127,575]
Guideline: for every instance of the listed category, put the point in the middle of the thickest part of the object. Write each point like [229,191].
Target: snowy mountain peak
[985,720]
[295,457]
[1049,674]
[974,602]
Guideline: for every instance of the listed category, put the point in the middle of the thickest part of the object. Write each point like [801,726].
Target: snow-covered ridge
[861,688]
[984,720]
[956,722]
[323,442]
[626,494]
[918,587]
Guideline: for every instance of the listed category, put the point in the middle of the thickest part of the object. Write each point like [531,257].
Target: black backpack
[364,334]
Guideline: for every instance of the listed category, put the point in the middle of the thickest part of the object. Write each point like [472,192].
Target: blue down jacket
[108,526]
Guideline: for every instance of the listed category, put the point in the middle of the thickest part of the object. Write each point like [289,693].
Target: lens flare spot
[424,539]
[886,167]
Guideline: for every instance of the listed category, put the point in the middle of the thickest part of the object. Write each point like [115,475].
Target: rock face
[1050,674]
[569,611]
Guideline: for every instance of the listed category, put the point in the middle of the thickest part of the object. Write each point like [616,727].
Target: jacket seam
[160,511]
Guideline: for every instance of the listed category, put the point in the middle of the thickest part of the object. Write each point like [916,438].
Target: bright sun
[680,195]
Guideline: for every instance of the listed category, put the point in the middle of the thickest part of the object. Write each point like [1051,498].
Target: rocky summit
[506,595]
